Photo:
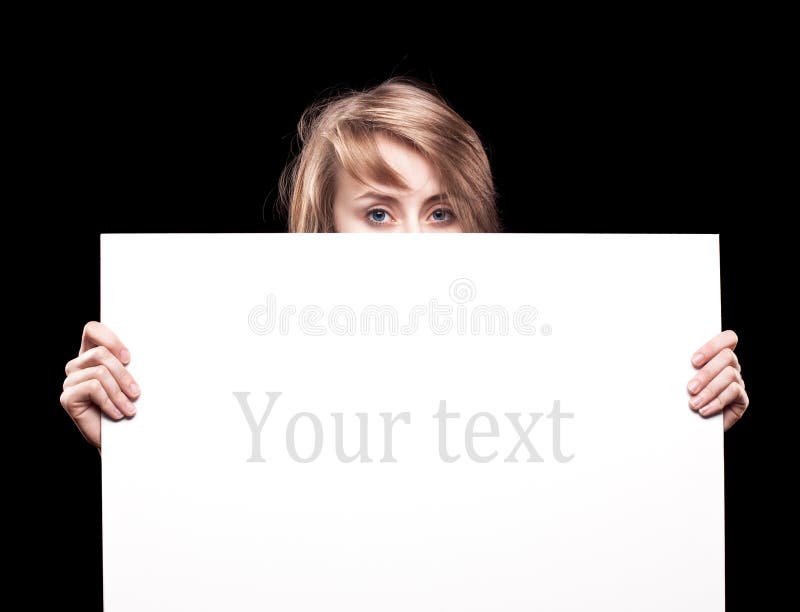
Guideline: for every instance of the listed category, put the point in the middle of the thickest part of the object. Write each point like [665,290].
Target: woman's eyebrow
[436,199]
[376,195]
[386,198]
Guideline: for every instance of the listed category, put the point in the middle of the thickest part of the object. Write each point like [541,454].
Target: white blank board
[614,502]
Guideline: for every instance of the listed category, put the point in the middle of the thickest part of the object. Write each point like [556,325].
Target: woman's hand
[718,386]
[97,380]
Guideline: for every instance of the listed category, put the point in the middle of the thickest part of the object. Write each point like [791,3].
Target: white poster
[459,422]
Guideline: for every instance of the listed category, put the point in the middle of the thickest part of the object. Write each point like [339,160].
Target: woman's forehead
[419,176]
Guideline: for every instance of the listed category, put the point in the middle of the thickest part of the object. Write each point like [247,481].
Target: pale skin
[98,382]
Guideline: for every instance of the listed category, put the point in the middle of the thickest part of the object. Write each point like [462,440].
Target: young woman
[395,158]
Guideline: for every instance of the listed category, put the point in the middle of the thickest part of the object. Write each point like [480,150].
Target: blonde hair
[341,132]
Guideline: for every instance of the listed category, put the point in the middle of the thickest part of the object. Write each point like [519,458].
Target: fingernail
[697,359]
[131,408]
[134,388]
[124,355]
[117,414]
[694,386]
[697,401]
[704,410]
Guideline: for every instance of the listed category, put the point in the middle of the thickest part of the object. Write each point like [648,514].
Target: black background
[189,141]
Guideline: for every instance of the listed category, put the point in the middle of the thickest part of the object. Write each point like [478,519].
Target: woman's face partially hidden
[381,208]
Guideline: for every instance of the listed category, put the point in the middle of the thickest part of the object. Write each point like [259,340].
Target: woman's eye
[441,215]
[378,215]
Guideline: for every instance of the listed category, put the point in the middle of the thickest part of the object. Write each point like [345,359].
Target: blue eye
[377,215]
[441,215]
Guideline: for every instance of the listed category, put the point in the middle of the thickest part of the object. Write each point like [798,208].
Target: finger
[730,394]
[726,339]
[725,358]
[717,385]
[97,334]
[735,410]
[79,402]
[100,355]
[88,395]
[110,385]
